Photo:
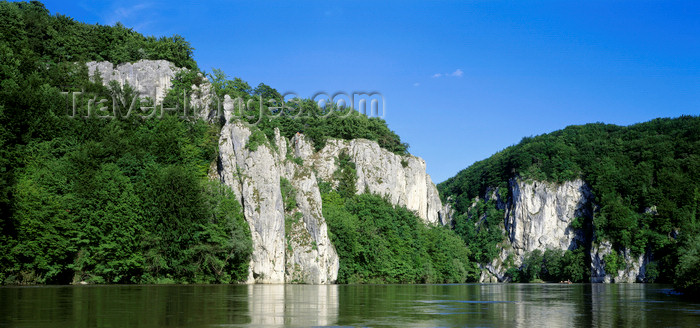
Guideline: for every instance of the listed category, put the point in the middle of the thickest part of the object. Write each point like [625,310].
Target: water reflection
[123,306]
[514,305]
[618,304]
[487,305]
[295,305]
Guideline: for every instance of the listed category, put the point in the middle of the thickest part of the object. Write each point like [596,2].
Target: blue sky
[461,80]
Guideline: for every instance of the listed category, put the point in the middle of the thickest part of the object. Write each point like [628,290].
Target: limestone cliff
[402,179]
[150,78]
[288,245]
[539,216]
[633,267]
[294,246]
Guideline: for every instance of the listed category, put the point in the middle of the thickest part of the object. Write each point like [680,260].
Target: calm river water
[487,305]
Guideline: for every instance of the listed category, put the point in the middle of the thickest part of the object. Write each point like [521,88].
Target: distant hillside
[645,179]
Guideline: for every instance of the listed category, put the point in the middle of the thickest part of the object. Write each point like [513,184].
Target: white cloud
[138,16]
[120,14]
[416,84]
[457,73]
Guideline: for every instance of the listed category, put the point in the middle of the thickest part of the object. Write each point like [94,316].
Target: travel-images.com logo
[117,105]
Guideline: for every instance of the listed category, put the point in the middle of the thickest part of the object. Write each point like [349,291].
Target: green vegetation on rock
[481,229]
[381,243]
[127,200]
[265,107]
[552,266]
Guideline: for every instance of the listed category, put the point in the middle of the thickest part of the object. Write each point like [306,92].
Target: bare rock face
[204,103]
[538,217]
[310,256]
[294,246]
[287,247]
[255,178]
[151,78]
[633,267]
[402,179]
[541,214]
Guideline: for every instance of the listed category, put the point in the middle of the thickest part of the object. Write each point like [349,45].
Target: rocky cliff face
[286,247]
[402,179]
[633,267]
[255,177]
[151,78]
[292,245]
[539,216]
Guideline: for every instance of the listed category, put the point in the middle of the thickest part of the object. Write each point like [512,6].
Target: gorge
[538,215]
[122,162]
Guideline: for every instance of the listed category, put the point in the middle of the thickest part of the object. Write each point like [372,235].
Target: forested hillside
[645,178]
[123,199]
[103,200]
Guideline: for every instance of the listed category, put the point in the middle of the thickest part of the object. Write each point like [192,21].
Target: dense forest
[95,200]
[645,178]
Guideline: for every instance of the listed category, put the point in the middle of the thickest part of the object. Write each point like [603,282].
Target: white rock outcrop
[310,256]
[150,78]
[402,179]
[304,254]
[255,178]
[633,268]
[153,79]
[538,216]
[295,246]
[541,214]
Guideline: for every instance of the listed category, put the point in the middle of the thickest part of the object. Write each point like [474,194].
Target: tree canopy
[41,38]
[265,107]
[104,201]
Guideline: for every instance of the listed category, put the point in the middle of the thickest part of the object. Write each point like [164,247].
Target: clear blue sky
[461,80]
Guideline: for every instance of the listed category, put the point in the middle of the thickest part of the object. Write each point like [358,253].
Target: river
[468,305]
